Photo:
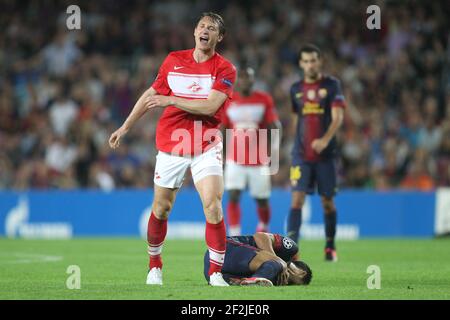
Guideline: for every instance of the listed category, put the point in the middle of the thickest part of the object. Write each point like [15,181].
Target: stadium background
[63,92]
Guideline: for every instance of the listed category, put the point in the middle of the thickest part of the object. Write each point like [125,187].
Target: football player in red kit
[192,86]
[247,115]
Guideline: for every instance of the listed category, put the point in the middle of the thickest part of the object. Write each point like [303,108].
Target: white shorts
[258,179]
[170,170]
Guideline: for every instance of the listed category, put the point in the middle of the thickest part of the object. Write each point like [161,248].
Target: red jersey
[181,76]
[246,115]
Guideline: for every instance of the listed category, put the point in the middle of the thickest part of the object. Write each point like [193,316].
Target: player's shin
[264,218]
[293,223]
[216,241]
[330,228]
[156,233]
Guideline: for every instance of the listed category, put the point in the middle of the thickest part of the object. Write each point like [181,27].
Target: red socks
[234,218]
[215,235]
[264,219]
[156,233]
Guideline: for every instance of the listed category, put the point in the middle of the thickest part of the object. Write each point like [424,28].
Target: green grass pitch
[115,268]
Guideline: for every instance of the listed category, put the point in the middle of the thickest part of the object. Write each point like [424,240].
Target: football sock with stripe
[234,218]
[156,233]
[215,235]
[264,218]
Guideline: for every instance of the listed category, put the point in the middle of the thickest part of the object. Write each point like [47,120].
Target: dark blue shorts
[237,260]
[306,176]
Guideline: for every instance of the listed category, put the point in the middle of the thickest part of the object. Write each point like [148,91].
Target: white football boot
[154,276]
[216,280]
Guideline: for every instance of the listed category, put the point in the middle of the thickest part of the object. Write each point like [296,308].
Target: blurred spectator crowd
[62,93]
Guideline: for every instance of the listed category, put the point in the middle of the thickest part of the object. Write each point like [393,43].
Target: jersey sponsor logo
[288,243]
[177,67]
[194,87]
[312,108]
[299,95]
[190,85]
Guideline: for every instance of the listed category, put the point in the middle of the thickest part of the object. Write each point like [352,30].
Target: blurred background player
[318,103]
[192,85]
[262,259]
[248,112]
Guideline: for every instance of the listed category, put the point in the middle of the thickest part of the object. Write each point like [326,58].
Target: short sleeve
[284,247]
[338,99]
[270,115]
[294,99]
[160,84]
[225,79]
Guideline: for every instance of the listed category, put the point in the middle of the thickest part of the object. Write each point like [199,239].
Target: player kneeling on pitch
[263,259]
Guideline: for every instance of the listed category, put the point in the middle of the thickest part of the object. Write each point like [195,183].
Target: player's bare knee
[298,200]
[162,208]
[214,215]
[328,205]
[262,203]
[213,209]
[234,196]
[297,204]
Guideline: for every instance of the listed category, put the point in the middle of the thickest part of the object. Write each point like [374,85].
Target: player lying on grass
[263,259]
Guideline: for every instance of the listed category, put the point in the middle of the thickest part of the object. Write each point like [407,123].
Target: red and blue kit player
[318,104]
[192,86]
[247,115]
[262,259]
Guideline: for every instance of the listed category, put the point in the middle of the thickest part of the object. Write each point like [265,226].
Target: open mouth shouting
[204,39]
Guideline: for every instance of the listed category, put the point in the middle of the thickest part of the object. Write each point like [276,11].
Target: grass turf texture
[116,269]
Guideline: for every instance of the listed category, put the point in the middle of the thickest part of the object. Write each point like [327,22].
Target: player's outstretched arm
[204,107]
[138,111]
